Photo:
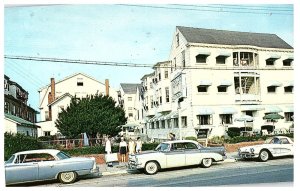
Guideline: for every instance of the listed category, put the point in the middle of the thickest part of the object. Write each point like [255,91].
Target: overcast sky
[118,33]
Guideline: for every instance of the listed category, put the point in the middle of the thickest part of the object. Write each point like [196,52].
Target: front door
[176,156]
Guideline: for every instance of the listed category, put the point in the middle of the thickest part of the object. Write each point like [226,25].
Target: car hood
[146,152]
[255,147]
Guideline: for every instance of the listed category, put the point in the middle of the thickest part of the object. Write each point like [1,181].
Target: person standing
[108,145]
[131,146]
[139,145]
[123,149]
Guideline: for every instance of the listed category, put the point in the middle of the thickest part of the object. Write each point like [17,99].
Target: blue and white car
[176,153]
[47,164]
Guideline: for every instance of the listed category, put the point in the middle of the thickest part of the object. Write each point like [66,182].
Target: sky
[118,33]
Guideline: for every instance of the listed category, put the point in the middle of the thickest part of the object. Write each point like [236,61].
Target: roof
[147,75]
[50,151]
[20,120]
[181,141]
[71,76]
[161,63]
[212,36]
[60,98]
[129,88]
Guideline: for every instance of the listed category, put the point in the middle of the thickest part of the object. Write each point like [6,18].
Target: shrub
[233,132]
[217,140]
[191,138]
[18,142]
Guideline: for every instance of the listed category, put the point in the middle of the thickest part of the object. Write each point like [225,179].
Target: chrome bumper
[248,155]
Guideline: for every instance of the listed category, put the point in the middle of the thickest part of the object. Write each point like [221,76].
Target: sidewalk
[121,168]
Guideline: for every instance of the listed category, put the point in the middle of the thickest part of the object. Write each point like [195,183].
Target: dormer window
[79,82]
[287,62]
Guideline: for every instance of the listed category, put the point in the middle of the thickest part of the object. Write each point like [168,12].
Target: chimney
[107,87]
[53,89]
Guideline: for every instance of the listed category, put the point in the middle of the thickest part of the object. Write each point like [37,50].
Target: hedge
[19,142]
[101,149]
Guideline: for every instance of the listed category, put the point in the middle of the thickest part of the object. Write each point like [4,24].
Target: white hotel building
[214,77]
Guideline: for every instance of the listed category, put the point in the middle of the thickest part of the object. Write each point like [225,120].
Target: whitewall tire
[67,177]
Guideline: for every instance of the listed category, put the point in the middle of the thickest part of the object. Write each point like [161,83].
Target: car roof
[281,137]
[181,141]
[50,151]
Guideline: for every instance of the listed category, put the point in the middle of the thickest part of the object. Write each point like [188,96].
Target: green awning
[205,111]
[21,121]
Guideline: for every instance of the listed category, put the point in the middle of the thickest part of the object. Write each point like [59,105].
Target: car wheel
[263,155]
[151,168]
[67,177]
[206,163]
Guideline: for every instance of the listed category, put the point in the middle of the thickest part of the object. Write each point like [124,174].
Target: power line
[206,10]
[235,7]
[124,64]
[20,68]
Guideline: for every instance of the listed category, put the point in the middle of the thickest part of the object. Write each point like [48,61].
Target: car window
[190,146]
[10,160]
[37,157]
[275,141]
[61,155]
[163,147]
[284,141]
[178,146]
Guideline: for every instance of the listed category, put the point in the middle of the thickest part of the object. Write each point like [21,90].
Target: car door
[286,148]
[176,156]
[192,154]
[49,167]
[21,171]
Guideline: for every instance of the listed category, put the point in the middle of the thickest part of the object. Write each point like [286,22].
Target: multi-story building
[216,77]
[129,100]
[19,117]
[57,96]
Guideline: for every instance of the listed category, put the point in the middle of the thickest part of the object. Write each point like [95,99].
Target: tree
[93,114]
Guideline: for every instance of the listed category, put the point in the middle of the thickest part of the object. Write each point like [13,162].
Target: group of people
[132,147]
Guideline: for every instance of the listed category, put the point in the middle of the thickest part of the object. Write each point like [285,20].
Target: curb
[229,160]
[114,173]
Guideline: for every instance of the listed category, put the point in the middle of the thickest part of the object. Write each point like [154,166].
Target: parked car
[46,164]
[175,153]
[274,147]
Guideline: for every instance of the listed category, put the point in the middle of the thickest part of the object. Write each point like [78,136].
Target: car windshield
[163,147]
[61,155]
[10,160]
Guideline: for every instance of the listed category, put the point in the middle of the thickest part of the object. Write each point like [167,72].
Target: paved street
[238,173]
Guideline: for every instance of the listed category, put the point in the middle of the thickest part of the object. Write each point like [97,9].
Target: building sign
[202,133]
[178,87]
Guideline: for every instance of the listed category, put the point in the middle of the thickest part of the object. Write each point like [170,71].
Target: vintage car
[47,164]
[274,147]
[175,153]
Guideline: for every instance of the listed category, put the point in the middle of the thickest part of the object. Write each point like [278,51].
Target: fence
[74,143]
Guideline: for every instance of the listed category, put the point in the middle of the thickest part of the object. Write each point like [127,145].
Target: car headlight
[252,150]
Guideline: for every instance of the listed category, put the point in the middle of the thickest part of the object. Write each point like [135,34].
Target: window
[163,124]
[157,124]
[159,77]
[183,58]
[6,107]
[130,114]
[190,146]
[166,74]
[270,62]
[287,62]
[47,115]
[222,88]
[174,63]
[46,133]
[13,110]
[201,58]
[221,59]
[289,116]
[167,95]
[226,118]
[183,121]
[288,89]
[250,113]
[204,119]
[151,100]
[175,122]
[129,98]
[271,89]
[152,125]
[79,82]
[202,88]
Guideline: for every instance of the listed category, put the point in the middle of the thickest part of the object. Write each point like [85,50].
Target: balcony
[247,98]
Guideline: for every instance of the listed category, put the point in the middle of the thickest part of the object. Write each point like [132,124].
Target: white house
[216,77]
[57,95]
